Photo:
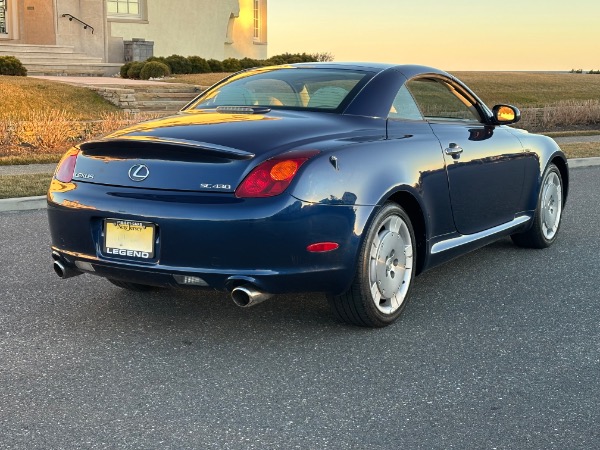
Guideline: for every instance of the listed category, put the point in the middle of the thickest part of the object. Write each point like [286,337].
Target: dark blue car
[347,179]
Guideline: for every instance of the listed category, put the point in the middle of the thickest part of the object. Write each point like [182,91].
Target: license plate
[129,238]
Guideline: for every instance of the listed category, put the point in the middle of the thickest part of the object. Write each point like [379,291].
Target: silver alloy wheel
[390,265]
[551,205]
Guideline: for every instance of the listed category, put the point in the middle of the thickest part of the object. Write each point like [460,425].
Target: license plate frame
[129,238]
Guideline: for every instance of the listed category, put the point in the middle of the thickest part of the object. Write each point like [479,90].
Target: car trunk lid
[184,153]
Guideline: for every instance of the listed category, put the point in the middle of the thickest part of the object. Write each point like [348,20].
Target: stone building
[97,29]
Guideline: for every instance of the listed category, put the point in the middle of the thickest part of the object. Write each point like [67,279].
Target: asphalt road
[497,350]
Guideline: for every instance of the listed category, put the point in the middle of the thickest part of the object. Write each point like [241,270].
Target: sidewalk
[105,81]
[27,169]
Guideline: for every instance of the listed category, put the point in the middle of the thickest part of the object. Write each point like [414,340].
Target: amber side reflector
[322,247]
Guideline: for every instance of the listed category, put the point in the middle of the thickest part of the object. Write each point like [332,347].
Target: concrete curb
[29,203]
[584,162]
[22,204]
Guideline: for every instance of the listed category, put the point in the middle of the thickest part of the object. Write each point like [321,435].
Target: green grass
[29,185]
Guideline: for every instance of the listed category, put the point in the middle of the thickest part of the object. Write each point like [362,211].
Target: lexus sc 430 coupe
[347,179]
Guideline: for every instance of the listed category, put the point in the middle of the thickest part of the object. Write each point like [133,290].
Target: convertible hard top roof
[408,70]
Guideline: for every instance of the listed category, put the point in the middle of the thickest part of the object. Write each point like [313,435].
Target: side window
[404,106]
[440,100]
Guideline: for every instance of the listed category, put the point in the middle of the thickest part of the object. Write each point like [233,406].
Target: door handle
[454,150]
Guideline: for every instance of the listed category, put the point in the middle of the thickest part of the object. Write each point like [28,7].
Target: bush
[199,65]
[248,63]
[154,69]
[215,66]
[124,68]
[134,70]
[9,65]
[161,59]
[323,57]
[292,58]
[231,65]
[178,64]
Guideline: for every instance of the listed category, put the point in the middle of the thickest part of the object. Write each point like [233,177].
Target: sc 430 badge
[215,186]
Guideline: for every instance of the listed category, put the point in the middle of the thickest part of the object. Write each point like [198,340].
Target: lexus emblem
[139,172]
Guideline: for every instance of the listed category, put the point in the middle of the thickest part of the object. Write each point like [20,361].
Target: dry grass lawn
[581,149]
[526,89]
[21,95]
[12,186]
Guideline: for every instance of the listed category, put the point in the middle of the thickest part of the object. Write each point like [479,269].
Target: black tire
[548,213]
[132,286]
[385,273]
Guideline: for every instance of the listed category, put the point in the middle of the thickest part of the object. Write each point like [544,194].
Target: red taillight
[272,177]
[322,247]
[66,166]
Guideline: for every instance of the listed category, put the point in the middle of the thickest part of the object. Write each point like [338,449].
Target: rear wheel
[548,213]
[132,286]
[379,292]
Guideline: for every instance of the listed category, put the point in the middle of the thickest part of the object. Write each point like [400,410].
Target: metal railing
[72,18]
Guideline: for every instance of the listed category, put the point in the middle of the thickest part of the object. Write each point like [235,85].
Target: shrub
[249,63]
[178,64]
[199,65]
[9,65]
[154,69]
[161,59]
[292,58]
[231,65]
[323,57]
[134,70]
[215,66]
[124,68]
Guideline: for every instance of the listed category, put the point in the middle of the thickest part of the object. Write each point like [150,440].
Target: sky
[449,34]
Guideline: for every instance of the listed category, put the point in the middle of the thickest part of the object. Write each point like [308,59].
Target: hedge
[196,64]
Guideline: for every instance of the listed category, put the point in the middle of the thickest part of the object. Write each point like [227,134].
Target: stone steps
[57,60]
[29,48]
[164,98]
[66,58]
[160,99]
[74,69]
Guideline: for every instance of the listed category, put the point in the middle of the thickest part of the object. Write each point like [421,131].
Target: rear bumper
[219,239]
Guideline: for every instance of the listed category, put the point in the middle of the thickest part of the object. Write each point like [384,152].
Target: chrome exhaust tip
[62,271]
[247,296]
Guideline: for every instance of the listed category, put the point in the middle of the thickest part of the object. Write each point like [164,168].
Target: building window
[257,20]
[125,8]
[259,25]
[3,18]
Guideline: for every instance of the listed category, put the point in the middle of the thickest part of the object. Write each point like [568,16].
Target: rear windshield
[290,88]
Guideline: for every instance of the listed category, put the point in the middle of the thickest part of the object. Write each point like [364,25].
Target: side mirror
[506,114]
